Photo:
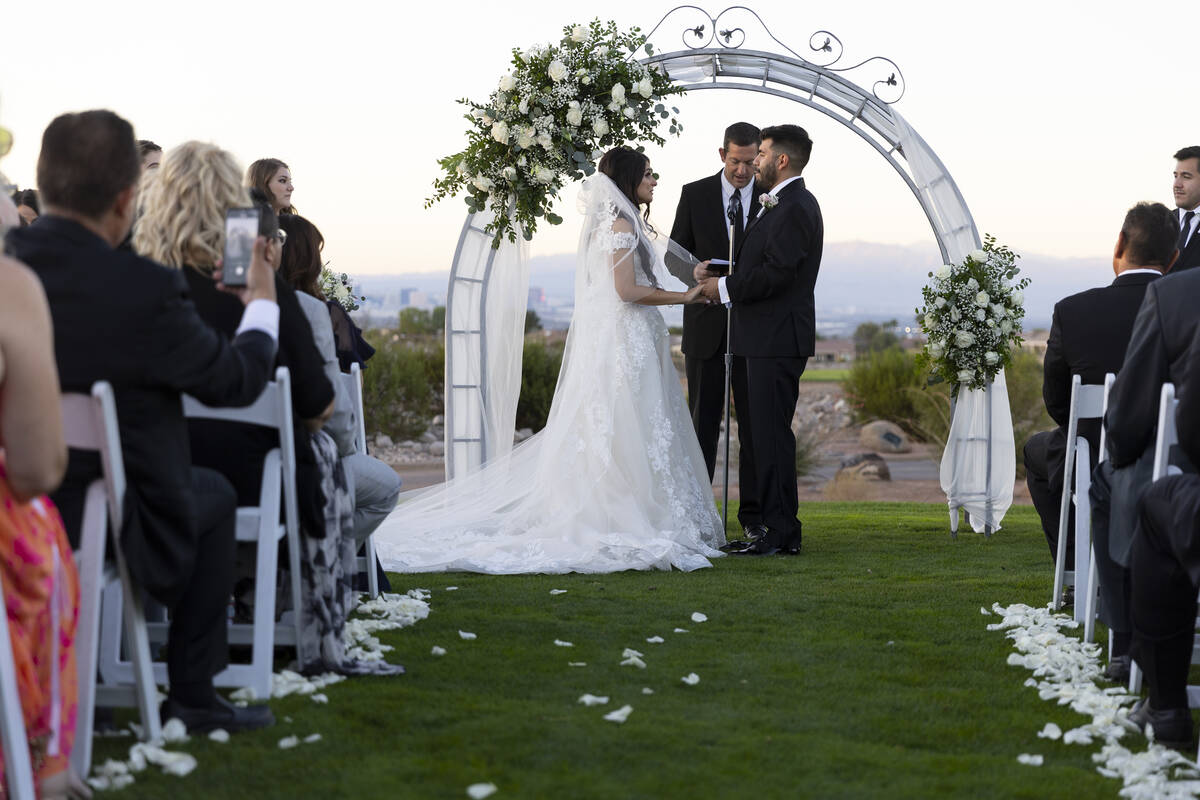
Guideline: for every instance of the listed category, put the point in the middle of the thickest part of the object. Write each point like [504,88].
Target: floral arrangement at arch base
[550,119]
[972,317]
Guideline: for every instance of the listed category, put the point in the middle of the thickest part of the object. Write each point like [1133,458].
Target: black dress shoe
[750,535]
[1118,670]
[1172,726]
[219,714]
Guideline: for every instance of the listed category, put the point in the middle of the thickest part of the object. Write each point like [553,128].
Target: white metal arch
[820,88]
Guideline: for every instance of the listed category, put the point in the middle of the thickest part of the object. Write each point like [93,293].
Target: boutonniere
[768,201]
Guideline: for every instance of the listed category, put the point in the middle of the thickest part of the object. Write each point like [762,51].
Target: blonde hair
[183,205]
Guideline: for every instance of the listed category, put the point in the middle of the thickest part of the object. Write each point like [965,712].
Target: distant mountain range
[858,281]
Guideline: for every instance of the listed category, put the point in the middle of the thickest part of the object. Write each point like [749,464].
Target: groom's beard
[766,177]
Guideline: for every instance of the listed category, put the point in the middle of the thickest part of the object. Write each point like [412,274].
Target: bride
[616,479]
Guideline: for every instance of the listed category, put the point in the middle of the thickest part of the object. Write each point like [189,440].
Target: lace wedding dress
[616,479]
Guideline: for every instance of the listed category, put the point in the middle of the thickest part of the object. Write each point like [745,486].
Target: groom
[774,325]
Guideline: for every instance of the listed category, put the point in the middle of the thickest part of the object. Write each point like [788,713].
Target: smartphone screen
[241,229]
[719,266]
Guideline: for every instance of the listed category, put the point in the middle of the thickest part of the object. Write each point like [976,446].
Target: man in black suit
[774,323]
[1186,189]
[129,321]
[1165,577]
[1158,347]
[702,227]
[1088,337]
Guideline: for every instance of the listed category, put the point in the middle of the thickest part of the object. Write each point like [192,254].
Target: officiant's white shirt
[747,192]
[774,193]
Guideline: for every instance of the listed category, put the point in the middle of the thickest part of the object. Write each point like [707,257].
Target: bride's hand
[694,295]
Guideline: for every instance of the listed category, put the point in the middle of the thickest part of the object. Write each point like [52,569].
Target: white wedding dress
[616,479]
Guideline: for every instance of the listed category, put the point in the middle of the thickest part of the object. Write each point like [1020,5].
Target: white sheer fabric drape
[964,472]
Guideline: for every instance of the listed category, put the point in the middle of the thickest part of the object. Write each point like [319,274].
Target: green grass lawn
[861,668]
[834,375]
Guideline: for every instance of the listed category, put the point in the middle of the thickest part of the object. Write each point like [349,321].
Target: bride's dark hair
[626,167]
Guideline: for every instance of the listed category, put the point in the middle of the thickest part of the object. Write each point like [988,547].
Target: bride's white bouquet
[972,317]
[339,287]
[549,119]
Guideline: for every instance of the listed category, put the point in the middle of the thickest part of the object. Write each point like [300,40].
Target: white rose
[930,321]
[574,116]
[1005,327]
[600,126]
[991,323]
[579,34]
[966,375]
[978,256]
[525,137]
[972,284]
[613,106]
[523,106]
[618,93]
[1018,297]
[507,83]
[543,175]
[602,50]
[510,173]
[943,272]
[500,132]
[982,299]
[461,169]
[545,141]
[482,184]
[629,112]
[964,339]
[991,357]
[939,302]
[479,113]
[955,316]
[980,315]
[557,70]
[645,87]
[936,349]
[999,310]
[585,80]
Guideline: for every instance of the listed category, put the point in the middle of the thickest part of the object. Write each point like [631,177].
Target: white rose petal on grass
[681,630]
[558,591]
[220,735]
[466,635]
[561,643]
[576,663]
[312,737]
[437,651]
[647,690]
[634,661]
[288,742]
[620,715]
[1051,731]
[1034,760]
[593,700]
[698,617]
[478,791]
[320,698]
[691,679]
[984,611]
[451,588]
[174,731]
[656,640]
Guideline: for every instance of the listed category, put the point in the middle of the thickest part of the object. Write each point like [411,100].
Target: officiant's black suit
[129,321]
[1088,336]
[702,228]
[774,329]
[1189,257]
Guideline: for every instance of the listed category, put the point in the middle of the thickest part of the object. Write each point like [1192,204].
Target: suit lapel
[715,203]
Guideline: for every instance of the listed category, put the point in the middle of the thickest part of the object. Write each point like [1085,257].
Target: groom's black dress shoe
[752,534]
[764,548]
[220,713]
[1118,669]
[1172,726]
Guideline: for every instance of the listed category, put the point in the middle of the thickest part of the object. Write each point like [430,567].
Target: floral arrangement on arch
[550,119]
[339,287]
[972,317]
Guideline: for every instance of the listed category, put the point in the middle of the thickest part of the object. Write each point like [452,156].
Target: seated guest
[373,484]
[273,178]
[26,201]
[1088,337]
[124,319]
[151,154]
[41,585]
[1186,189]
[1158,347]
[1165,577]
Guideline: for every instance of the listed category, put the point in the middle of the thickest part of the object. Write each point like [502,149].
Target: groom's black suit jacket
[774,312]
[702,228]
[1189,257]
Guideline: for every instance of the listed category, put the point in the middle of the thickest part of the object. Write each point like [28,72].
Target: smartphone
[241,229]
[718,266]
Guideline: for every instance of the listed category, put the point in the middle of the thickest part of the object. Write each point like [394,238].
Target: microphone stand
[731,215]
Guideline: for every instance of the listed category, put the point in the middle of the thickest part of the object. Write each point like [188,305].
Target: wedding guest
[1088,336]
[151,154]
[41,585]
[1165,577]
[1158,350]
[273,178]
[26,201]
[125,319]
[1186,190]
[701,227]
[374,485]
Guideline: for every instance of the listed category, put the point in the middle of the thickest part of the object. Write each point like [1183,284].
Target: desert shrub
[807,451]
[540,363]
[402,386]
[876,387]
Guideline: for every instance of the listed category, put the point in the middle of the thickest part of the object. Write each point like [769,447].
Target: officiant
[702,220]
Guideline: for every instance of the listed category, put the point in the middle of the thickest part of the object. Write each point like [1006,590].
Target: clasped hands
[706,282]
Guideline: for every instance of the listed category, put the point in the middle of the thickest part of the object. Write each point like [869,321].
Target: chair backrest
[1167,434]
[18,773]
[1087,399]
[90,423]
[272,409]
[352,381]
[1109,380]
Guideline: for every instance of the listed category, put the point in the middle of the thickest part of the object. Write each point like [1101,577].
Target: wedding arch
[713,56]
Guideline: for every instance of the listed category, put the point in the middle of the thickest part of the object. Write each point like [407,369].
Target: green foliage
[421,322]
[540,363]
[402,386]
[875,387]
[871,337]
[807,452]
[532,322]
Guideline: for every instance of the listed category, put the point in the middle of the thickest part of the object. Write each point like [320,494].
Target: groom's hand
[709,289]
[701,271]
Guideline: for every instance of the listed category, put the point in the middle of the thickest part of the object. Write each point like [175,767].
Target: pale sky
[1052,117]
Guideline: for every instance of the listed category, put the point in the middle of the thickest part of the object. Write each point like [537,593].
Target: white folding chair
[352,382]
[1166,437]
[260,524]
[1093,579]
[90,424]
[18,773]
[1087,402]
